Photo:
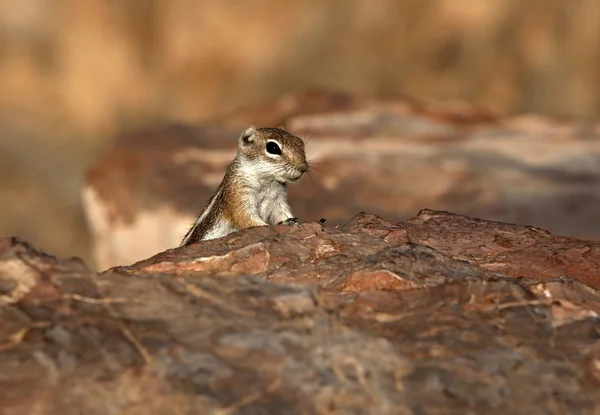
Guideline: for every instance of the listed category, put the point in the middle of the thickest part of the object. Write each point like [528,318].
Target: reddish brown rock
[369,317]
[517,251]
[368,252]
[390,157]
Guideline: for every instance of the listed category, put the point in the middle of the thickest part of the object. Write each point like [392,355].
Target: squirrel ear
[248,135]
[281,127]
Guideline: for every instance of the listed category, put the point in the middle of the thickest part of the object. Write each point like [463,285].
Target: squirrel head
[274,152]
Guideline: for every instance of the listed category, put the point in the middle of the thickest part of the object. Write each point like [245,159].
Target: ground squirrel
[253,191]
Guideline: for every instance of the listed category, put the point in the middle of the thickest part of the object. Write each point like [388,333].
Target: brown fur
[241,179]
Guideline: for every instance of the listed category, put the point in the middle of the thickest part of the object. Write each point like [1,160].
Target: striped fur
[253,190]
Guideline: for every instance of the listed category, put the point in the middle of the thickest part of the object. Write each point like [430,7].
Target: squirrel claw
[322,223]
[289,222]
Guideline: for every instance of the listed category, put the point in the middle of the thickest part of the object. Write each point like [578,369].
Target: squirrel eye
[273,148]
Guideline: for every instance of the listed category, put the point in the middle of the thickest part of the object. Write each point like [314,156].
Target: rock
[134,192]
[517,251]
[390,157]
[368,317]
[368,252]
[279,110]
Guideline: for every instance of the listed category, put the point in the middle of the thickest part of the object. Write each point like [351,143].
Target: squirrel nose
[303,167]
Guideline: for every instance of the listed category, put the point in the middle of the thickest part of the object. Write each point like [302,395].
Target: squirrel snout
[303,167]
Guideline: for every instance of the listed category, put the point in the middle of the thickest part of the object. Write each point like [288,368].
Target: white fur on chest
[271,202]
[268,196]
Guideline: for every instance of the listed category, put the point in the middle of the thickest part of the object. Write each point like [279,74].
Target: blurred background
[73,73]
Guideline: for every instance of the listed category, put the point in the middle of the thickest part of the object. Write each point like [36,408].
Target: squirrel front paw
[289,222]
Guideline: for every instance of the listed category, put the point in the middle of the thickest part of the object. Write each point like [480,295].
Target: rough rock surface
[390,157]
[441,314]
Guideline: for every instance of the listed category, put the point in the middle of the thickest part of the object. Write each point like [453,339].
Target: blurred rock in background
[73,74]
[389,157]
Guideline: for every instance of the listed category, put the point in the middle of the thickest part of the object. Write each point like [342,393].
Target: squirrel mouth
[294,179]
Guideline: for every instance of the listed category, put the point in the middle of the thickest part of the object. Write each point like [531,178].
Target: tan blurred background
[73,73]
